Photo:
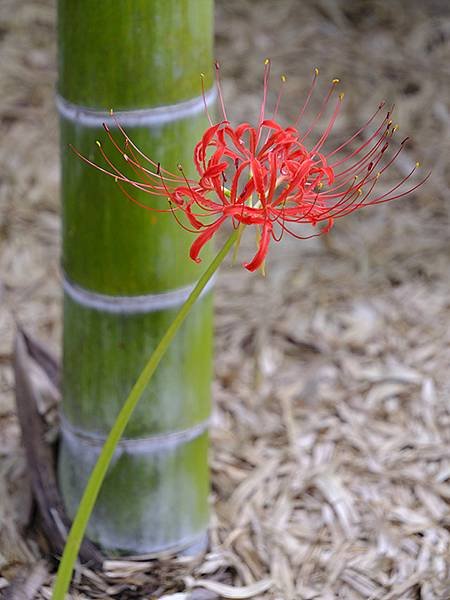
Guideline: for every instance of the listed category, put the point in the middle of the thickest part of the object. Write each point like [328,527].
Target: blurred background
[331,431]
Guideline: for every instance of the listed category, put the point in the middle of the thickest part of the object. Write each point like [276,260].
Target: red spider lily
[270,176]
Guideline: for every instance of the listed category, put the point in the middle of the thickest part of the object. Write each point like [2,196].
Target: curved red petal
[258,177]
[192,218]
[263,248]
[203,238]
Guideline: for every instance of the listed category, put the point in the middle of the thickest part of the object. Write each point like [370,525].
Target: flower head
[269,176]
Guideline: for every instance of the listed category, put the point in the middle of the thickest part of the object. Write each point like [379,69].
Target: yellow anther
[267,61]
[341,96]
[98,143]
[111,112]
[283,78]
[319,185]
[202,75]
[417,165]
[396,127]
[389,122]
[360,191]
[116,179]
[316,71]
[378,175]
[179,166]
[125,156]
[334,81]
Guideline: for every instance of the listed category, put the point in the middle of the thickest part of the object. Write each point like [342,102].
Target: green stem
[98,474]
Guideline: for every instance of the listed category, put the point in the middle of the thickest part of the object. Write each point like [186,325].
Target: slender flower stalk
[98,474]
[267,176]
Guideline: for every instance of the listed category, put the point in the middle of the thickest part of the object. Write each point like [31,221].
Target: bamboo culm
[142,58]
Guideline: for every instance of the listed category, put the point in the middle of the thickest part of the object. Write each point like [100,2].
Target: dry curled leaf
[230,591]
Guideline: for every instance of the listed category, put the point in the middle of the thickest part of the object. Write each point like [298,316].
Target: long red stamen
[205,104]
[308,98]
[360,130]
[329,127]
[320,111]
[265,89]
[219,91]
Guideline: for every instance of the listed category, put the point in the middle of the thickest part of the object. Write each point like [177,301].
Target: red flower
[270,176]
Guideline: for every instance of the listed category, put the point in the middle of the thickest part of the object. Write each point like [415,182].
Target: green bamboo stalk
[132,56]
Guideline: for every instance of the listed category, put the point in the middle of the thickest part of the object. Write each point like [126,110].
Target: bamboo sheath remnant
[130,304]
[149,117]
[126,271]
[133,445]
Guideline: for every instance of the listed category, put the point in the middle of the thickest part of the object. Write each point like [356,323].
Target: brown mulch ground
[331,431]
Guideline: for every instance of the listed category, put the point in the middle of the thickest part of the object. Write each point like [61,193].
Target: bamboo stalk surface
[129,56]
